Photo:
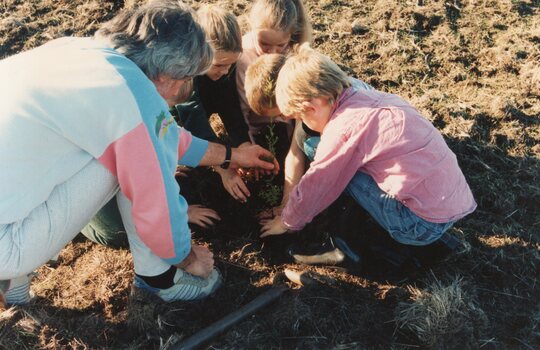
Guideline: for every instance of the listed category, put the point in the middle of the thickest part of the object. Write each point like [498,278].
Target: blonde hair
[260,82]
[307,75]
[288,16]
[222,30]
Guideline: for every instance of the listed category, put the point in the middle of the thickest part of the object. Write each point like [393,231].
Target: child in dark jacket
[216,92]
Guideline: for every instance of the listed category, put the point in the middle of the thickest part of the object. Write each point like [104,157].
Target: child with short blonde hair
[296,89]
[261,77]
[260,84]
[375,147]
[276,27]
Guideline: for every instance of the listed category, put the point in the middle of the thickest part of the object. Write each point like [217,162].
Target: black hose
[217,327]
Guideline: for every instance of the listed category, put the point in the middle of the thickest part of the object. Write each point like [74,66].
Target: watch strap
[228,153]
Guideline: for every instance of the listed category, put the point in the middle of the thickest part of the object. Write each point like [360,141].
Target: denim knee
[399,221]
[408,228]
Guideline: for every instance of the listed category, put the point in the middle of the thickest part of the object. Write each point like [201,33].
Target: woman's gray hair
[161,37]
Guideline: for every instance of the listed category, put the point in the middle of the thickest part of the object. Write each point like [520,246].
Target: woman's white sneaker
[186,286]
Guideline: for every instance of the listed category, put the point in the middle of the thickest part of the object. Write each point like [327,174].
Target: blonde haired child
[375,147]
[221,28]
[261,78]
[215,92]
[276,26]
[286,16]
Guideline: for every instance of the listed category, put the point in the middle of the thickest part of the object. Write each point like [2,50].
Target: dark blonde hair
[288,16]
[260,84]
[222,30]
[307,75]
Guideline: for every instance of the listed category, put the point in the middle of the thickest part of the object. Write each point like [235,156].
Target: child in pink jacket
[375,147]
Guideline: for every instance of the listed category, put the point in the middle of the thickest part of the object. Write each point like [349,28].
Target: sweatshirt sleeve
[191,149]
[335,164]
[142,165]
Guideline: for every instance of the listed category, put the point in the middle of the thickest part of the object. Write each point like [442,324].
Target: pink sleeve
[335,164]
[159,213]
[184,139]
[191,149]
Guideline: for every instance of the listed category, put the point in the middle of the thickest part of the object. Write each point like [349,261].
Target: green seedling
[271,194]
[271,138]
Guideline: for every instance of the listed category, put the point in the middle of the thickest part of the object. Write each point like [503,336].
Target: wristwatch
[227,162]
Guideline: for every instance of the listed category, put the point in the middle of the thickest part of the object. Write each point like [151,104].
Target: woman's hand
[199,262]
[272,227]
[202,216]
[234,184]
[258,172]
[254,156]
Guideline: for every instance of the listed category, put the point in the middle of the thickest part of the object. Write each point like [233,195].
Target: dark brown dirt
[472,68]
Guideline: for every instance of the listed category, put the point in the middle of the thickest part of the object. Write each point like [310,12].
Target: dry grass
[443,316]
[472,68]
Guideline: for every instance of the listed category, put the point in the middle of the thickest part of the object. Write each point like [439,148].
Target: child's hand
[259,173]
[202,216]
[273,226]
[234,184]
[270,213]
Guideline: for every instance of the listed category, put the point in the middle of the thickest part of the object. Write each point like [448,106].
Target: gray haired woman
[100,106]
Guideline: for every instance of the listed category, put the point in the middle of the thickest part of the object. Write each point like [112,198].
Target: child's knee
[419,232]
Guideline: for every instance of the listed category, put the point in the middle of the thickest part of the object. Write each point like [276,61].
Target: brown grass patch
[443,316]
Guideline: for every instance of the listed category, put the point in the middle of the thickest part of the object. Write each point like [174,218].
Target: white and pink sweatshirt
[74,100]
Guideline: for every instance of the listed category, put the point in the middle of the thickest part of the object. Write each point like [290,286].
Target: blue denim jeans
[399,221]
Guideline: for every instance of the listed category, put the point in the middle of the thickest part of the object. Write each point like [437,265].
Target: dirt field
[472,68]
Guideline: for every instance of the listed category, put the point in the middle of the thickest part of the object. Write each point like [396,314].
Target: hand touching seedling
[233,183]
